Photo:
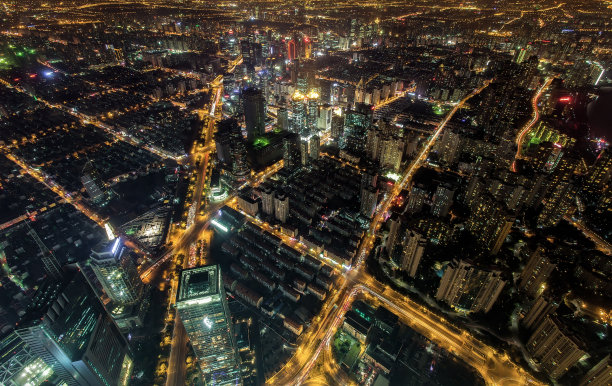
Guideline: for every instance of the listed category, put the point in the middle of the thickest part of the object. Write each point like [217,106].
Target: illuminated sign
[207,323]
[565,99]
[219,226]
[115,245]
[109,232]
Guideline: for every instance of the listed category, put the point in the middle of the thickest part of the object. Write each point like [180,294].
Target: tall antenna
[52,266]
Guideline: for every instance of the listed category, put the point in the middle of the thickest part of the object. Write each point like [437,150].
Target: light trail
[535,117]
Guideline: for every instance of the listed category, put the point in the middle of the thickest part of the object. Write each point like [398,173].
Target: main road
[495,367]
[535,116]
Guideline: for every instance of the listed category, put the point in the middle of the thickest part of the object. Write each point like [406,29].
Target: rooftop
[199,282]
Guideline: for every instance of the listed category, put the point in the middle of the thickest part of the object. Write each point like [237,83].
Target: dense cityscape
[305,193]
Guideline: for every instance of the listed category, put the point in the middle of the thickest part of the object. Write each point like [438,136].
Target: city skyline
[286,193]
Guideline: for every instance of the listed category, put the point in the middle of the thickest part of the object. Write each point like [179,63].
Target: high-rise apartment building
[557,204]
[533,278]
[600,374]
[369,199]
[281,206]
[554,348]
[442,200]
[314,147]
[413,247]
[267,200]
[67,327]
[395,224]
[542,307]
[470,288]
[202,306]
[489,222]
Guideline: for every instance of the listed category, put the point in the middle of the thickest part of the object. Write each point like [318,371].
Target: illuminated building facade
[202,307]
[533,278]
[467,287]
[254,113]
[554,348]
[413,247]
[116,271]
[19,365]
[67,326]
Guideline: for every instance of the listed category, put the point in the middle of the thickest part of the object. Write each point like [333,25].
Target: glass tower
[116,272]
[202,307]
[67,327]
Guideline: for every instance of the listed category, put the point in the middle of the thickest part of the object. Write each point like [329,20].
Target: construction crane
[52,266]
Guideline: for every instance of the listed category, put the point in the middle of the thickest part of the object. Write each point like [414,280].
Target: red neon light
[565,99]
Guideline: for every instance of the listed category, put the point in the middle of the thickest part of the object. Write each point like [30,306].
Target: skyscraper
[554,348]
[67,326]
[202,306]
[467,287]
[267,200]
[556,204]
[442,200]
[369,199]
[489,222]
[20,366]
[395,222]
[314,146]
[291,151]
[52,267]
[538,269]
[281,206]
[254,113]
[240,167]
[283,118]
[116,271]
[298,114]
[413,247]
[541,307]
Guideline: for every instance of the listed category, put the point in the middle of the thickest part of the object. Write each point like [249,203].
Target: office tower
[304,153]
[254,106]
[442,200]
[448,147]
[94,185]
[314,146]
[281,206]
[416,199]
[291,151]
[298,114]
[324,119]
[542,307]
[600,374]
[395,223]
[307,47]
[267,200]
[67,326]
[557,204]
[202,306]
[489,222]
[337,127]
[356,123]
[291,50]
[469,288]
[413,247]
[554,348]
[302,85]
[533,278]
[369,200]
[52,267]
[223,142]
[283,118]
[20,366]
[240,167]
[116,272]
[372,146]
[312,114]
